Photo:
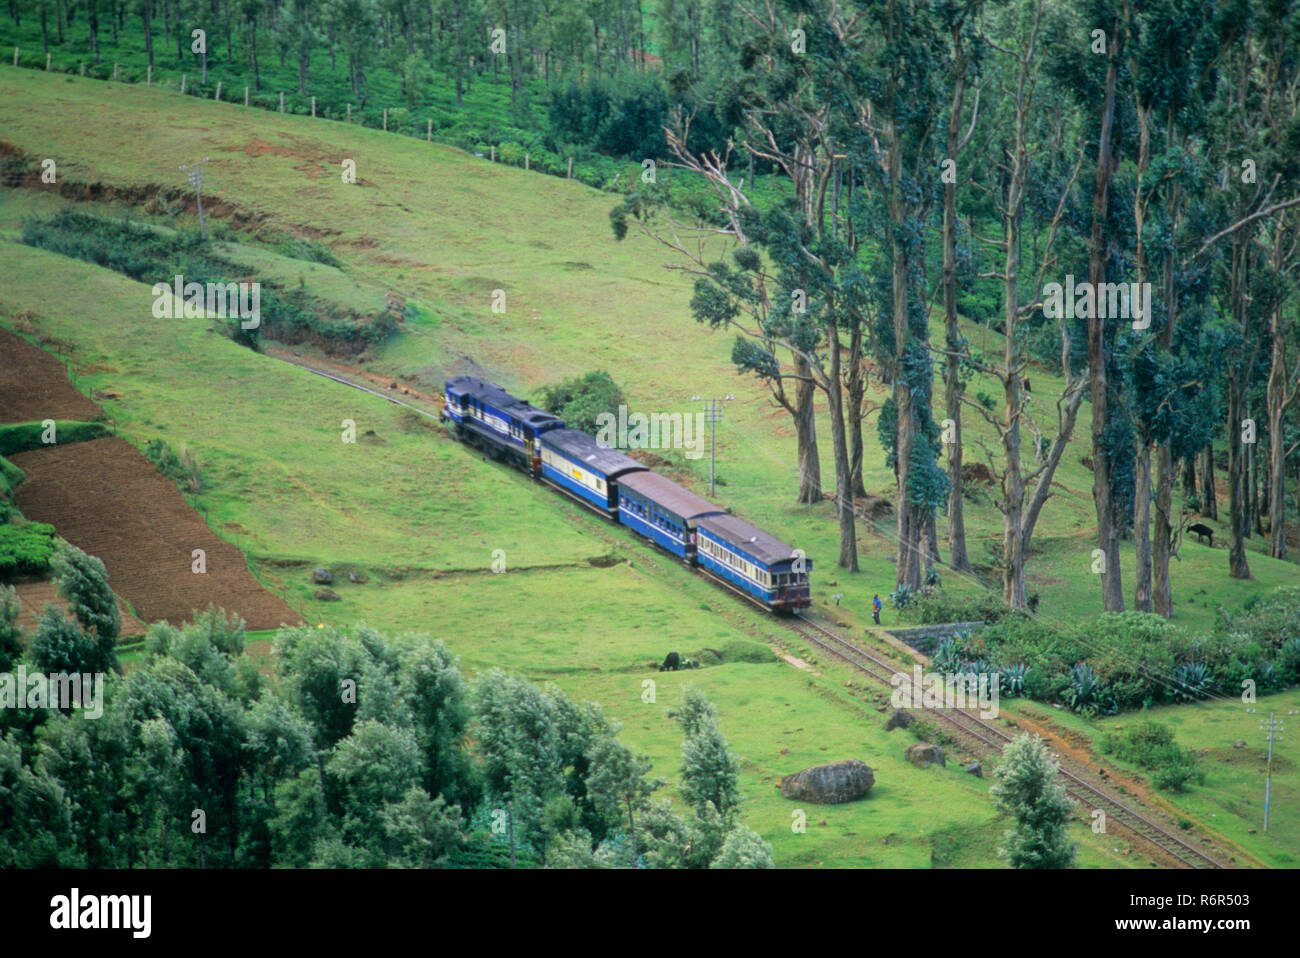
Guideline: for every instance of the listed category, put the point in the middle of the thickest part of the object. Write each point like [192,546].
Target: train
[706,537]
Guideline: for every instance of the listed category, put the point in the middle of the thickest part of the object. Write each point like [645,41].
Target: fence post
[349,112]
[184,79]
[313,107]
[218,96]
[15,56]
[83,68]
[570,176]
[385,119]
[492,154]
[428,136]
[245,96]
[281,101]
[116,69]
[527,160]
[148,76]
[47,59]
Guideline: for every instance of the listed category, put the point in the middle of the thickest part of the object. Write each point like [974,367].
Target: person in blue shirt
[876,606]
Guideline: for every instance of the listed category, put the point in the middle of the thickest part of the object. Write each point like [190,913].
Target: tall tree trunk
[857,384]
[92,23]
[1102,494]
[1279,399]
[1208,499]
[843,485]
[805,422]
[952,335]
[146,10]
[1238,567]
[460,58]
[909,526]
[1142,526]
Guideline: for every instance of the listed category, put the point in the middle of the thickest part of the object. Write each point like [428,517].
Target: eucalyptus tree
[961,20]
[1171,54]
[1025,168]
[1255,118]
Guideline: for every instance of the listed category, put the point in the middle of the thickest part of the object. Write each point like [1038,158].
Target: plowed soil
[108,500]
[34,385]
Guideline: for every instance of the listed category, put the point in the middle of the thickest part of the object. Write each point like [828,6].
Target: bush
[1151,746]
[936,607]
[26,549]
[582,400]
[183,469]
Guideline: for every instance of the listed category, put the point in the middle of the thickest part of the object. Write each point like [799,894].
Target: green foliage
[936,607]
[22,436]
[744,848]
[60,645]
[1151,746]
[11,634]
[83,582]
[581,401]
[26,549]
[182,468]
[1027,789]
[710,772]
[903,596]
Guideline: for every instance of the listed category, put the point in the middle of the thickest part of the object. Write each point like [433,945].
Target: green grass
[422,515]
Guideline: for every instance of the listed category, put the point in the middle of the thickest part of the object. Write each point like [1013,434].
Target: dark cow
[1202,530]
[672,663]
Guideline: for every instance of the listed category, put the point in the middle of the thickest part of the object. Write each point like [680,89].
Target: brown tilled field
[34,385]
[108,500]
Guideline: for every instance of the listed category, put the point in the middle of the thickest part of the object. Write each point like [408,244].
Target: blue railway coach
[755,562]
[506,426]
[579,465]
[662,511]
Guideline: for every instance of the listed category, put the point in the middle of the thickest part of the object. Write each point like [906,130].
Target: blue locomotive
[729,550]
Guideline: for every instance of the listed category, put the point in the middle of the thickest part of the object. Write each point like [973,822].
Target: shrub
[26,549]
[1151,746]
[183,469]
[582,400]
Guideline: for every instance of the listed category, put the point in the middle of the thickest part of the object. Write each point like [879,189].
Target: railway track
[992,738]
[988,737]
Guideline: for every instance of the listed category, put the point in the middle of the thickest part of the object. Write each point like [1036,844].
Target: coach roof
[581,447]
[497,397]
[669,495]
[750,538]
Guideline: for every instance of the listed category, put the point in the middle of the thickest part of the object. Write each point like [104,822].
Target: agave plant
[947,654]
[1013,679]
[1084,686]
[1191,681]
[970,672]
[902,597]
[1269,680]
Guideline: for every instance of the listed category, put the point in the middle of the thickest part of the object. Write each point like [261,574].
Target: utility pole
[1274,729]
[196,178]
[713,416]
